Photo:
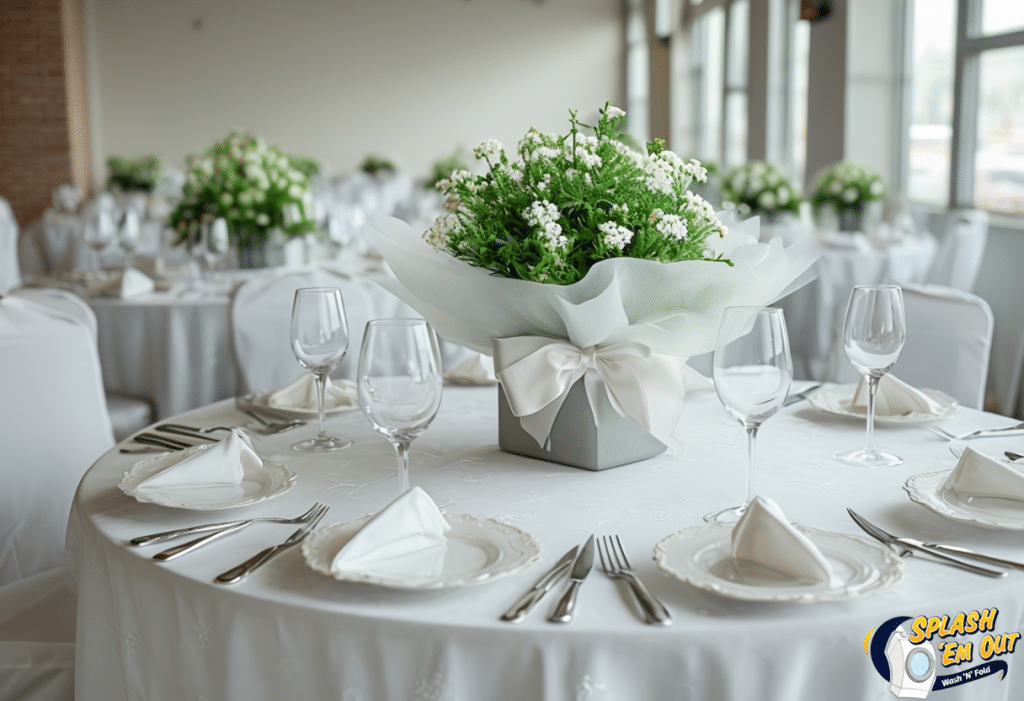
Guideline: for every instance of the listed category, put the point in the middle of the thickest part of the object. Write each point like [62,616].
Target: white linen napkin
[222,464]
[301,395]
[406,538]
[978,475]
[478,370]
[894,398]
[132,283]
[765,536]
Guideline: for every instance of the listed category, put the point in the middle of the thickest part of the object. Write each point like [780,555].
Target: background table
[165,631]
[815,312]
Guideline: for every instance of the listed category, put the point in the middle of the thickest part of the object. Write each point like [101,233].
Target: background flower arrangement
[567,202]
[378,166]
[248,182]
[758,186]
[848,185]
[134,174]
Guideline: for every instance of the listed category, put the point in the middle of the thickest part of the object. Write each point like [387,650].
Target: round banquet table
[166,631]
[815,312]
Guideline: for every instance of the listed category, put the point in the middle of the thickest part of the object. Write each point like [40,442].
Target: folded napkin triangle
[132,283]
[765,536]
[221,464]
[978,475]
[407,536]
[895,398]
[301,395]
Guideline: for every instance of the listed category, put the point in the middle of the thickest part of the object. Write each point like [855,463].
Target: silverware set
[578,563]
[1016,429]
[156,443]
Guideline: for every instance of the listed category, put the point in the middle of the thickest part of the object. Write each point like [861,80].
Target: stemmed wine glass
[99,232]
[752,370]
[399,383]
[128,236]
[873,335]
[214,244]
[319,342]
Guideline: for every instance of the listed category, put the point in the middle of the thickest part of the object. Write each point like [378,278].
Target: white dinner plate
[991,512]
[479,550]
[260,403]
[702,556]
[837,400]
[258,484]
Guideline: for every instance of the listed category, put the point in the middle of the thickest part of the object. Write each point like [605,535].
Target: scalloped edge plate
[479,550]
[259,402]
[864,566]
[836,400]
[257,485]
[925,489]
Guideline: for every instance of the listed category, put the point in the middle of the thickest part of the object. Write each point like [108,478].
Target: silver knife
[517,611]
[909,543]
[957,550]
[580,569]
[236,574]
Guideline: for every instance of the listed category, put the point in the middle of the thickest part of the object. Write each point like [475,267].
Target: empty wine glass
[128,236]
[99,232]
[319,342]
[873,336]
[214,244]
[399,383]
[752,370]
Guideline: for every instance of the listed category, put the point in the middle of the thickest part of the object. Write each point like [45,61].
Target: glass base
[321,445]
[868,458]
[726,516]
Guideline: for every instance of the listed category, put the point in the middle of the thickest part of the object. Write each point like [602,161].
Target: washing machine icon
[912,667]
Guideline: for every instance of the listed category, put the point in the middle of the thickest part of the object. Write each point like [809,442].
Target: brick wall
[34,146]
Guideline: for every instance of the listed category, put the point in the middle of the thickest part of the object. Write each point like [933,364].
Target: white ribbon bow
[537,373]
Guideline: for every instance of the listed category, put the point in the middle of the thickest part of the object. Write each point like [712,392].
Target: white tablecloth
[815,312]
[165,631]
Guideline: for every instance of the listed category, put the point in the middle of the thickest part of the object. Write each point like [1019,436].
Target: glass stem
[872,389]
[321,387]
[751,444]
[402,449]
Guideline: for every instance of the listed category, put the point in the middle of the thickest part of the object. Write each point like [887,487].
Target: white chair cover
[37,638]
[958,260]
[261,312]
[949,336]
[127,415]
[53,426]
[10,271]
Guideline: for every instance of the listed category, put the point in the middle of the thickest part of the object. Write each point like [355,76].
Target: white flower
[615,236]
[262,219]
[591,160]
[489,151]
[743,209]
[543,215]
[612,112]
[294,190]
[226,199]
[766,200]
[587,180]
[850,195]
[876,188]
[783,195]
[836,187]
[672,226]
[439,235]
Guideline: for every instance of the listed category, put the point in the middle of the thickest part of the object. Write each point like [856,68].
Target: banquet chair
[949,337]
[10,272]
[53,426]
[958,260]
[37,638]
[261,326]
[128,415]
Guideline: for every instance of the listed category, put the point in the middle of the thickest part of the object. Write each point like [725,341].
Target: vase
[258,253]
[576,438]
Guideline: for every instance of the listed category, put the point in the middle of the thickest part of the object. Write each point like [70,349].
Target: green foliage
[848,186]
[444,168]
[568,202]
[378,166]
[249,183]
[142,173]
[758,186]
[309,167]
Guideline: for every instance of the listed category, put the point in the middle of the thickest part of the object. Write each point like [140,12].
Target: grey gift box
[576,439]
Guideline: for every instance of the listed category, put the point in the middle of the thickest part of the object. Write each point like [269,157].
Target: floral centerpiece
[847,196]
[140,174]
[442,169]
[759,188]
[591,273]
[253,186]
[378,166]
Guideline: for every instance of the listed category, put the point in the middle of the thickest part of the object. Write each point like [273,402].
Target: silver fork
[981,433]
[236,574]
[167,535]
[616,566]
[271,427]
